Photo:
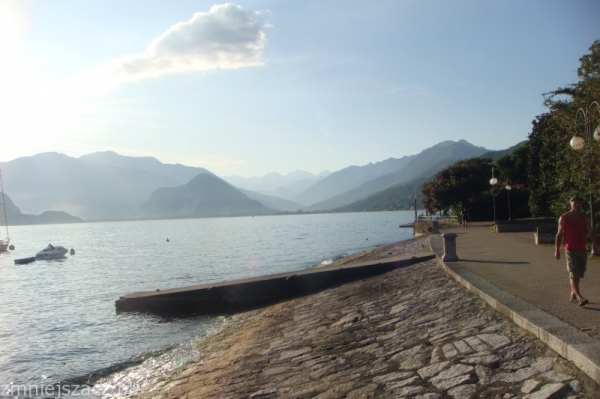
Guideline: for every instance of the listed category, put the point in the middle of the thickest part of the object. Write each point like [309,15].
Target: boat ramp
[251,293]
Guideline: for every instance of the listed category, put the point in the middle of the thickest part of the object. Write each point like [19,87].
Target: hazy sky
[253,87]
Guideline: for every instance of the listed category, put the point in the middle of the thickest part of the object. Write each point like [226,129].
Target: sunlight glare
[37,112]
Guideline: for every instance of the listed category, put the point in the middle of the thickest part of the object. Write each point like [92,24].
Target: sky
[254,87]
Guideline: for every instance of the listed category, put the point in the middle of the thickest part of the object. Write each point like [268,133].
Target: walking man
[573,227]
[463,215]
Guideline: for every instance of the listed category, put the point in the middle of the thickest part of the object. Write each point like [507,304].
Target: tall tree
[513,167]
[457,185]
[555,170]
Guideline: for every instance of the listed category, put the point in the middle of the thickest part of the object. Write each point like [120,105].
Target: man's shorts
[576,263]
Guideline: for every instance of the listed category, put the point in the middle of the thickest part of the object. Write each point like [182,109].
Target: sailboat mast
[4,206]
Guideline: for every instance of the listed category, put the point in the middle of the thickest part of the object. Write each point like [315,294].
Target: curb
[569,342]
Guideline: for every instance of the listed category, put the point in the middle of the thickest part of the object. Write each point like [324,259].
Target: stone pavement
[413,332]
[527,284]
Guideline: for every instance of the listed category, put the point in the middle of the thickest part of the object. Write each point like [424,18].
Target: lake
[57,318]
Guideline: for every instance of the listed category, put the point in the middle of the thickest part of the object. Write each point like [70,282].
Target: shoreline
[413,332]
[208,346]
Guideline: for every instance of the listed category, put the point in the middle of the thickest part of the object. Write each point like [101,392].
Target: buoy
[11,247]
[72,251]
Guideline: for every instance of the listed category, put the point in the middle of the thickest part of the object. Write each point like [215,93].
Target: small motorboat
[52,252]
[24,261]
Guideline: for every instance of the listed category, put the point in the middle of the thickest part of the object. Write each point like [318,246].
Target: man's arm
[559,237]
[590,232]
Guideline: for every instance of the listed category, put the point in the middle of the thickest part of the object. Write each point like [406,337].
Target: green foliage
[550,165]
[589,73]
[555,170]
[459,184]
[513,167]
[466,183]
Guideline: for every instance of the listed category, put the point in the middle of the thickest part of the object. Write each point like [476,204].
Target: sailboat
[4,243]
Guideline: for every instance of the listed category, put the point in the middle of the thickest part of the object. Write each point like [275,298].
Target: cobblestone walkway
[413,332]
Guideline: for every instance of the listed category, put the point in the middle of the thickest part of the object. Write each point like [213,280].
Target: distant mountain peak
[450,143]
[111,156]
[204,195]
[465,142]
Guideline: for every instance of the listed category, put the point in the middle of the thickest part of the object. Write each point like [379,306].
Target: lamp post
[493,182]
[578,142]
[508,188]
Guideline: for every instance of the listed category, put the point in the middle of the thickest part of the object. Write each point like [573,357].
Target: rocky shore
[413,332]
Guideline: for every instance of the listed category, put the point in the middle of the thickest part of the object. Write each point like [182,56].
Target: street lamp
[578,142]
[493,182]
[508,188]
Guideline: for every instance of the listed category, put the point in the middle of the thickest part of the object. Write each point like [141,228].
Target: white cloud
[226,37]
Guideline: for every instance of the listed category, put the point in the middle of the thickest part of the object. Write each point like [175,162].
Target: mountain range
[106,185]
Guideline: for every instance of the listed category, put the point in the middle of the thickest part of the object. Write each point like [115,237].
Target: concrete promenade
[250,293]
[527,284]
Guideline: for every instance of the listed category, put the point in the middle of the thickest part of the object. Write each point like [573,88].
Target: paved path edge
[579,348]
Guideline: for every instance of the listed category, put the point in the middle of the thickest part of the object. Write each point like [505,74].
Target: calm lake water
[57,318]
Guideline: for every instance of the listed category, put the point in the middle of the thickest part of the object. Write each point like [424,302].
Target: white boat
[51,252]
[4,243]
